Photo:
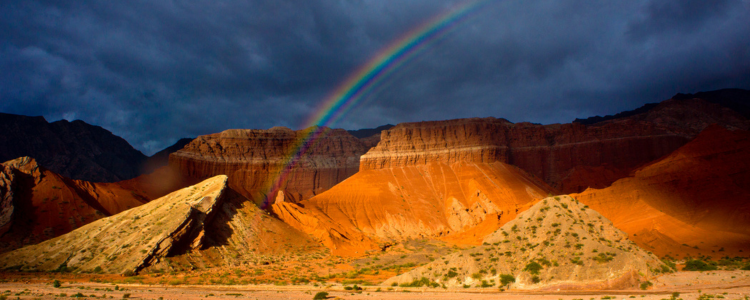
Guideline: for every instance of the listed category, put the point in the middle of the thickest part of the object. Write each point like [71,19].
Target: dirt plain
[689,285]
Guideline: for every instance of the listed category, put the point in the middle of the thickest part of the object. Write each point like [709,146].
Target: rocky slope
[556,244]
[72,149]
[253,158]
[38,204]
[204,225]
[569,157]
[459,202]
[131,240]
[694,201]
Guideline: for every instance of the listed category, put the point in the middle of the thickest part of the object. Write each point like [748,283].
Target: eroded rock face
[131,240]
[561,155]
[692,202]
[459,202]
[72,149]
[572,247]
[252,159]
[38,204]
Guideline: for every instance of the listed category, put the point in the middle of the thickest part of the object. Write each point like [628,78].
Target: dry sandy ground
[690,285]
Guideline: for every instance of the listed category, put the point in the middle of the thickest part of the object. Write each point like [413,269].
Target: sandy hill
[694,201]
[72,149]
[558,243]
[38,204]
[459,202]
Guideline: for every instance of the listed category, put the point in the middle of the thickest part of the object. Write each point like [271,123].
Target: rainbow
[361,82]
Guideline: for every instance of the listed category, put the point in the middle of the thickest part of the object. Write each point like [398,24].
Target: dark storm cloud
[155,71]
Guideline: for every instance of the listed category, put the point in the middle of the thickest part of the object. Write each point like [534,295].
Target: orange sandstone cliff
[38,204]
[694,201]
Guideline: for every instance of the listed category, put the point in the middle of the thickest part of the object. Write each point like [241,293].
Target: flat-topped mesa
[560,154]
[252,158]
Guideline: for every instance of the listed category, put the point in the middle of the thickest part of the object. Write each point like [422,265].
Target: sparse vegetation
[320,296]
[698,265]
[533,268]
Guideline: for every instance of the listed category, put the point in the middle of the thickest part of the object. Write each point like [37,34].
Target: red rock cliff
[252,158]
[570,157]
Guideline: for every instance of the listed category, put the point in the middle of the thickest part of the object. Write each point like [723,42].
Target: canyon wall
[569,157]
[253,159]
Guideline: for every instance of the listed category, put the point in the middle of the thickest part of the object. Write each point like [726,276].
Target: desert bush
[424,281]
[320,296]
[535,279]
[506,279]
[646,285]
[56,283]
[698,265]
[533,268]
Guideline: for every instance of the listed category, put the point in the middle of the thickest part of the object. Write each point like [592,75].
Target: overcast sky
[158,70]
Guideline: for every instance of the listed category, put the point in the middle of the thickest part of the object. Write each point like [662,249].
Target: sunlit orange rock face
[460,202]
[38,204]
[569,157]
[694,201]
[452,189]
[253,159]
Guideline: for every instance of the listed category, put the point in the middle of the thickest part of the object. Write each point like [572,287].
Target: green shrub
[506,279]
[533,268]
[451,273]
[56,283]
[698,265]
[320,296]
[535,279]
[424,281]
[125,296]
[646,285]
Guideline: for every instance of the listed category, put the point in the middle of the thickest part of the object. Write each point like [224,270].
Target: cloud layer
[156,71]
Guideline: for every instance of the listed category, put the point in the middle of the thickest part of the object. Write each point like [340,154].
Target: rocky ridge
[38,204]
[558,243]
[75,149]
[129,241]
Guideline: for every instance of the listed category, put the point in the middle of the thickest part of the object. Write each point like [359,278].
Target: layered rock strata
[253,160]
[569,157]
